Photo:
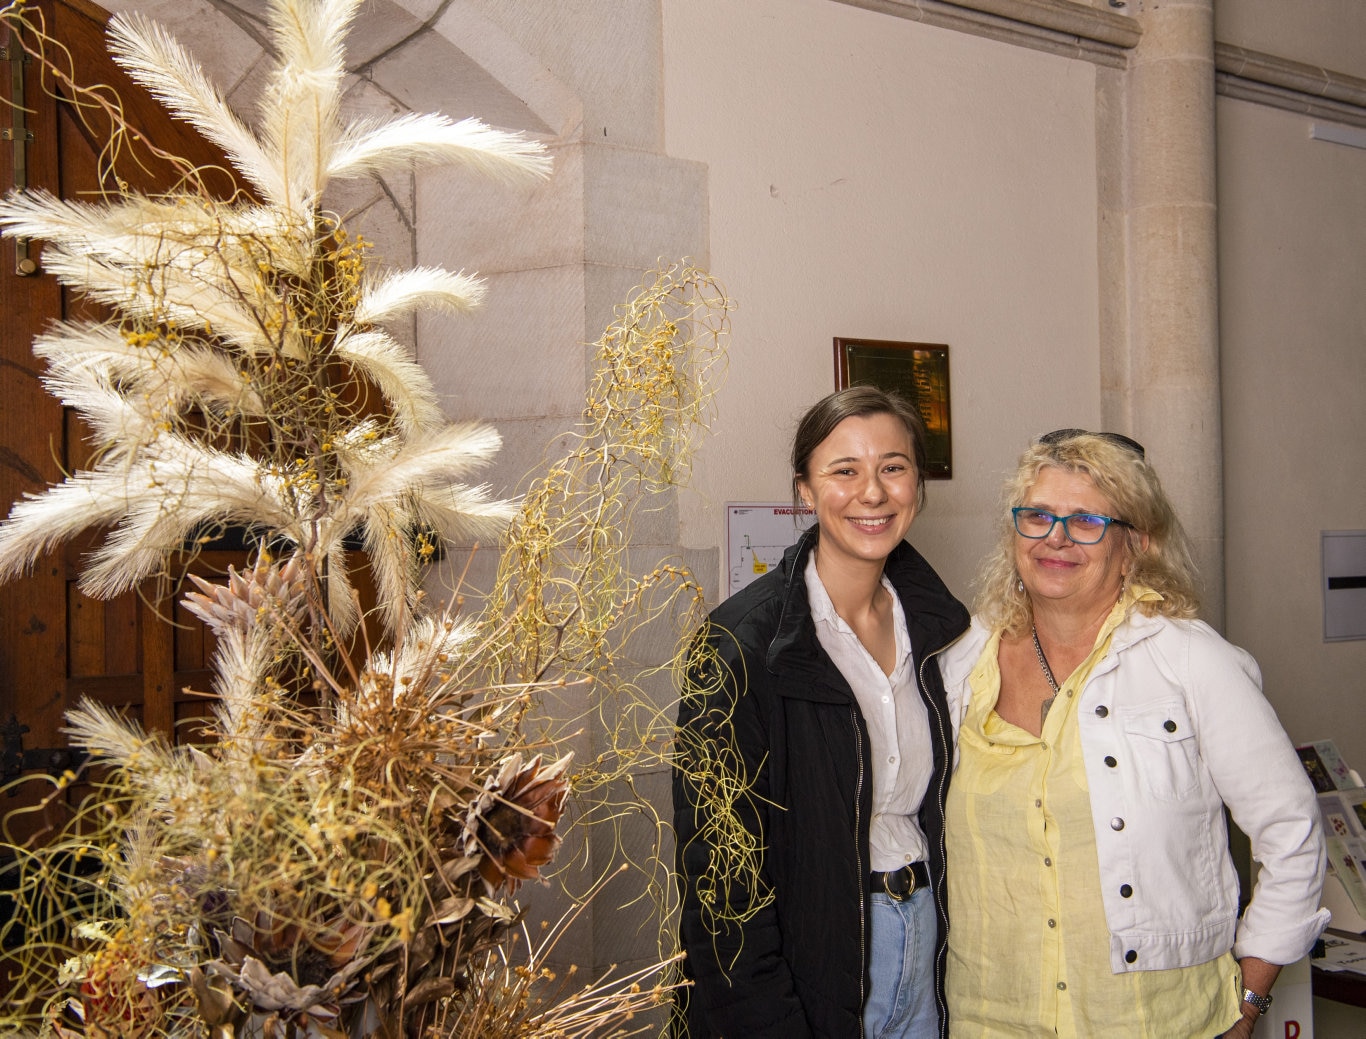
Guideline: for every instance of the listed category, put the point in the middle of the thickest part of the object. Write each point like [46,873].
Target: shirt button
[1052,923]
[886,699]
[1103,711]
[1110,761]
[1062,985]
[1038,803]
[1047,861]
[1116,823]
[1043,744]
[1169,725]
[892,760]
[1125,891]
[1130,956]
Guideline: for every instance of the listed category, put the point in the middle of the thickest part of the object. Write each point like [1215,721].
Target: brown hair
[822,417]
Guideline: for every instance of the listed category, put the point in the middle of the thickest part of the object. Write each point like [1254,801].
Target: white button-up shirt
[898,725]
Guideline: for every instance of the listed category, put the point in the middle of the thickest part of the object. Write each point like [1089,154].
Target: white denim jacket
[1174,728]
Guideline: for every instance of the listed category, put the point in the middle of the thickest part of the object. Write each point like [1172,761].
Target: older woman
[1105,732]
[814,751]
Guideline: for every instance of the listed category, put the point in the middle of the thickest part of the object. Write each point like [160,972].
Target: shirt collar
[823,610]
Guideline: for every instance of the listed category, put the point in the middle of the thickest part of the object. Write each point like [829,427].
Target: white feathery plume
[108,735]
[368,146]
[405,384]
[197,374]
[462,512]
[243,701]
[148,761]
[139,231]
[191,372]
[389,545]
[399,292]
[431,642]
[121,422]
[161,294]
[426,640]
[156,61]
[390,493]
[38,523]
[300,103]
[423,467]
[193,485]
[393,562]
[209,292]
[342,607]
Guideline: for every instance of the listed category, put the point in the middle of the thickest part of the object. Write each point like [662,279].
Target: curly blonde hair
[1121,472]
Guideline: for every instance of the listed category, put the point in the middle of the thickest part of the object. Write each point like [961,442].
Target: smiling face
[862,482]
[1081,578]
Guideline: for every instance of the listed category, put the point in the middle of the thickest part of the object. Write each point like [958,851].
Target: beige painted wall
[870,176]
[1330,34]
[1292,220]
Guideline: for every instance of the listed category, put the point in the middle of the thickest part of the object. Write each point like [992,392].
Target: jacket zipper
[941,790]
[858,861]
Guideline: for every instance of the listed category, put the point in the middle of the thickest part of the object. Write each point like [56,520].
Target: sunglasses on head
[1059,435]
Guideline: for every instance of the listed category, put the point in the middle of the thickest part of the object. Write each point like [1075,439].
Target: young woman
[814,752]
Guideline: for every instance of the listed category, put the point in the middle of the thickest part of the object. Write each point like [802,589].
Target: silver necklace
[1047,673]
[1043,660]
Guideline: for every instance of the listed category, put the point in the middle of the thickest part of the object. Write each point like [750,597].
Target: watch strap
[1262,1003]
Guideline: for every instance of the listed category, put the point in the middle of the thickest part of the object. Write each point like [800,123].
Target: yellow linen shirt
[1029,950]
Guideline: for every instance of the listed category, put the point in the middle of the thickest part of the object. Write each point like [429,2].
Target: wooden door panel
[33,643]
[102,634]
[139,651]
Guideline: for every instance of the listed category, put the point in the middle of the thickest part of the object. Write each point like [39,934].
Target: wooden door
[138,652]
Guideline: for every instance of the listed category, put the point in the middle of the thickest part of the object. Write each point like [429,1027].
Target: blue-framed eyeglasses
[1084,528]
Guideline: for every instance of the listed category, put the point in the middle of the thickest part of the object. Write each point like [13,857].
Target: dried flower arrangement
[340,856]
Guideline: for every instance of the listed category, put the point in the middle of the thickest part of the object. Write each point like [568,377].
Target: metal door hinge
[15,759]
[21,136]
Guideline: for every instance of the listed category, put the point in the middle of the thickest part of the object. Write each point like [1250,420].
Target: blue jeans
[901,1002]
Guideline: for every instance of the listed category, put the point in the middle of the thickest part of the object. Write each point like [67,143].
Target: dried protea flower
[513,821]
[320,971]
[250,596]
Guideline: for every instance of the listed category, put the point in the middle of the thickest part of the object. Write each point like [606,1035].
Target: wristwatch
[1260,1002]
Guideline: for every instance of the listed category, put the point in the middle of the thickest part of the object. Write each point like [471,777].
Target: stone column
[1166,386]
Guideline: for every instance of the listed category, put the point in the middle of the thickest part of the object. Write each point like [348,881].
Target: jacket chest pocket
[1165,752]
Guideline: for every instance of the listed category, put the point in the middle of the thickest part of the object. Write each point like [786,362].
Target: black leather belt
[900,883]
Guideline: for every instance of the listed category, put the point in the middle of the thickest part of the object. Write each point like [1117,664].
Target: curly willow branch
[731,890]
[567,608]
[562,584]
[100,110]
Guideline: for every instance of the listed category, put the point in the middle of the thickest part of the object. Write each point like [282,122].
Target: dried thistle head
[513,822]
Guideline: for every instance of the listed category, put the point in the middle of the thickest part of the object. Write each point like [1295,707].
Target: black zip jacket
[783,954]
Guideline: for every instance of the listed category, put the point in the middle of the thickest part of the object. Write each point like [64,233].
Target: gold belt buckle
[893,895]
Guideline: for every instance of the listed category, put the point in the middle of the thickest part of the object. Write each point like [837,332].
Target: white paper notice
[757,535]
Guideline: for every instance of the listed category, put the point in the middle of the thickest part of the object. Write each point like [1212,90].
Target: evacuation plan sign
[757,535]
